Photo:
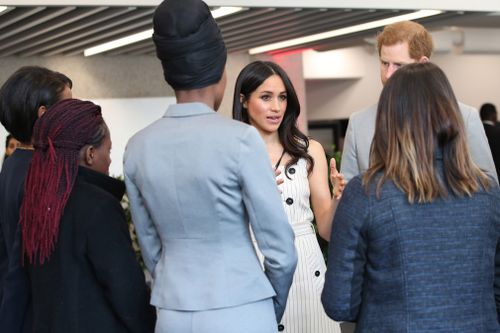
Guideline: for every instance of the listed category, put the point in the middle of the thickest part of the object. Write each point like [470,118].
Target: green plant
[133,236]
[131,230]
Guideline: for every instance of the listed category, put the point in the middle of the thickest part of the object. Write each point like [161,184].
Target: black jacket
[493,135]
[15,299]
[92,282]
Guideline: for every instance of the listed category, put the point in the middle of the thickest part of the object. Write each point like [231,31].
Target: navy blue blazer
[16,312]
[400,267]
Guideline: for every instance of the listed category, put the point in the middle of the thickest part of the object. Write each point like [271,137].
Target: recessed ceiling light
[217,13]
[343,31]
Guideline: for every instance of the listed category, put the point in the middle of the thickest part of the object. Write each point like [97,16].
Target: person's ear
[41,110]
[243,101]
[89,155]
[423,60]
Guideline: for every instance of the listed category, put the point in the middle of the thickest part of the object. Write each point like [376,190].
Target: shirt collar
[187,110]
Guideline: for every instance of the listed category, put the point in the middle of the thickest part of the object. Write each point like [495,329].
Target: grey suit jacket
[361,128]
[196,181]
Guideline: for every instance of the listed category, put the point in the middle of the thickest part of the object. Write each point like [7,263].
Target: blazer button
[289,201]
[291,171]
[317,273]
[281,327]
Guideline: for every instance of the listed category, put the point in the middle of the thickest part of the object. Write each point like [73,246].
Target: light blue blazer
[361,128]
[196,181]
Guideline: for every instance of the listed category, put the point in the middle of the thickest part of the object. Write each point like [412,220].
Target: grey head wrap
[189,44]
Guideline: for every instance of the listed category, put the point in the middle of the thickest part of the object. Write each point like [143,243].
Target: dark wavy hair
[24,92]
[294,142]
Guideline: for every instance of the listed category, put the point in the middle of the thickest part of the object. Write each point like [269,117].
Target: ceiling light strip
[3,8]
[344,31]
[217,13]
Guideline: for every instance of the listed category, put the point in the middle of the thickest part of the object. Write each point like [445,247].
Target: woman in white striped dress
[265,98]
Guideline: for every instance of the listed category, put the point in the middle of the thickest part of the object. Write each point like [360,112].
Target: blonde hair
[418,118]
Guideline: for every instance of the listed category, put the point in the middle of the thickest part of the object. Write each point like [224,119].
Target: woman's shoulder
[315,149]
[314,145]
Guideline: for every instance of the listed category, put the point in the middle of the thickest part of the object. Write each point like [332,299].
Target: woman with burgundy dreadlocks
[83,270]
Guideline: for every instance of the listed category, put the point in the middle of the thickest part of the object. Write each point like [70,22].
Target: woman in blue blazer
[196,182]
[414,245]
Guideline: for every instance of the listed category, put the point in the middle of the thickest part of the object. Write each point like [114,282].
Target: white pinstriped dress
[304,312]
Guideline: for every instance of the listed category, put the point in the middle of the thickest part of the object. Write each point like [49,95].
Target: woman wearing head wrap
[196,181]
[83,270]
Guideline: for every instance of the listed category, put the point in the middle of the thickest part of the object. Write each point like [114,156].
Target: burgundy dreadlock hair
[58,136]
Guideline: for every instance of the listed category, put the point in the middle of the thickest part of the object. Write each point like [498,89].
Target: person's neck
[203,95]
[272,141]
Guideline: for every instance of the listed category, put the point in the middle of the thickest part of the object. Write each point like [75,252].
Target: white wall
[100,76]
[234,65]
[127,116]
[475,79]
[124,117]
[338,98]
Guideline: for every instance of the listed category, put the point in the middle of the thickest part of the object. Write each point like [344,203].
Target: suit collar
[187,110]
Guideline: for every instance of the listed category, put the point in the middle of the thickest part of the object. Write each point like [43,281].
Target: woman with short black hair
[24,97]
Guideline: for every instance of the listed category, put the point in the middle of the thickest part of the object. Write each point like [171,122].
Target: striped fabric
[304,312]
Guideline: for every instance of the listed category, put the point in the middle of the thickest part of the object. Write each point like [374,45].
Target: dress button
[281,327]
[317,273]
[289,201]
[291,171]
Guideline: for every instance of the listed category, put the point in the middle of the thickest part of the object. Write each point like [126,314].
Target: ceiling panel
[68,30]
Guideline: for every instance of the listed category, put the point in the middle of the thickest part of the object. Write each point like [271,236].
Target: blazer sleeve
[497,279]
[349,166]
[147,234]
[478,142]
[110,252]
[267,217]
[342,292]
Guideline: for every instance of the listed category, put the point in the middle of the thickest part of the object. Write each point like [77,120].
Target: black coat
[15,299]
[92,281]
[493,135]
